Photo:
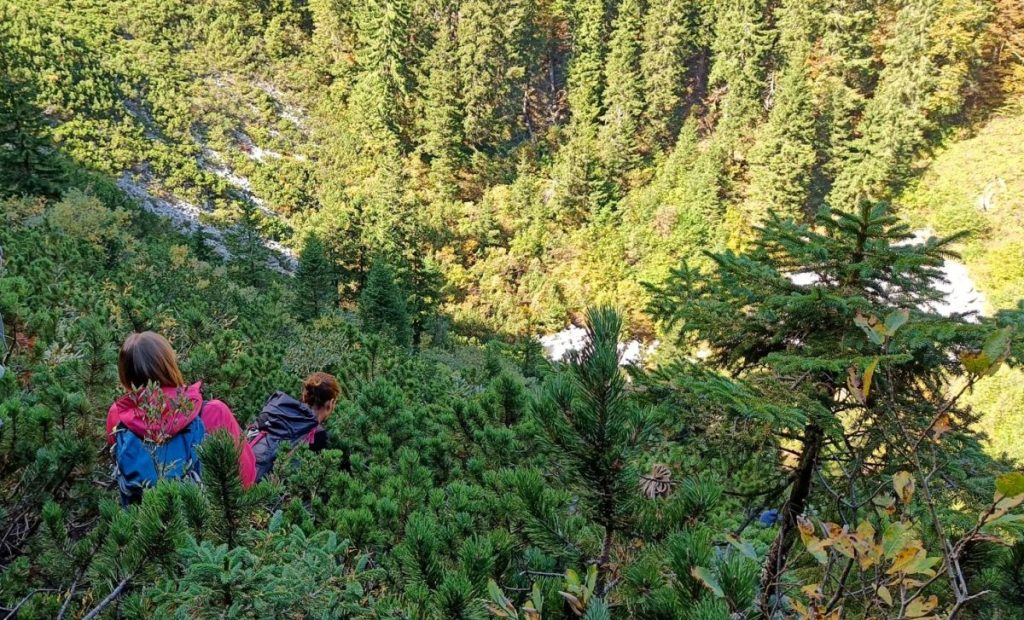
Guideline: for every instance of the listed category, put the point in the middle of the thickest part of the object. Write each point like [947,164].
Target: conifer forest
[634,309]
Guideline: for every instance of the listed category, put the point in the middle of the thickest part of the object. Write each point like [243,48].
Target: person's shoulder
[216,413]
[214,404]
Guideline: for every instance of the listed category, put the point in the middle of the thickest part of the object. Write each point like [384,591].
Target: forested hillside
[405,193]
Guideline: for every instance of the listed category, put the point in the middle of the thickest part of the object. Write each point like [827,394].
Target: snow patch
[559,345]
[960,295]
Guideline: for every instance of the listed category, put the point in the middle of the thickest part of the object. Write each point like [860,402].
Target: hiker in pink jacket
[146,359]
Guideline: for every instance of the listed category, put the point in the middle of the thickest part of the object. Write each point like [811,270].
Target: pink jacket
[216,416]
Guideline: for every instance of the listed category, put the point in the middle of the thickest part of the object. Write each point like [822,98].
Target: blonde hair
[147,358]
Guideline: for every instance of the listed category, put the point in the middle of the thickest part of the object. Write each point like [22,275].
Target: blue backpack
[141,463]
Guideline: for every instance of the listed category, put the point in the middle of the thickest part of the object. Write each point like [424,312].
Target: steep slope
[977,185]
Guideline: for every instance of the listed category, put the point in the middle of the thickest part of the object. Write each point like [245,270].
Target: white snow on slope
[961,297]
[960,294]
[559,345]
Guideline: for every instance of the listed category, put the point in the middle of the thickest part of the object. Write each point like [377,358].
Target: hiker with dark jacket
[157,425]
[286,423]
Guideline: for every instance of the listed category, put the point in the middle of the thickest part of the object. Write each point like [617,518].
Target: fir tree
[623,100]
[808,359]
[669,39]
[382,304]
[316,289]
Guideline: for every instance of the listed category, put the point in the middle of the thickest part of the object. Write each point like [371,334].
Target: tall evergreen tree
[783,159]
[316,282]
[382,304]
[831,334]
[442,116]
[623,98]
[584,187]
[741,43]
[586,69]
[670,38]
[494,55]
[896,118]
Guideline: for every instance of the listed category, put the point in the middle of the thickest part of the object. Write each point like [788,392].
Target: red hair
[319,389]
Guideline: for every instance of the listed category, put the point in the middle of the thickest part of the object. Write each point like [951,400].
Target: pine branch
[109,599]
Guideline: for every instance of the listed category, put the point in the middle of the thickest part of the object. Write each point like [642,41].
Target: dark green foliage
[482,172]
[230,507]
[27,162]
[316,285]
[382,305]
[595,430]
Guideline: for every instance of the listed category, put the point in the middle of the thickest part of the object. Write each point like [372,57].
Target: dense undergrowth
[457,177]
[535,157]
[453,467]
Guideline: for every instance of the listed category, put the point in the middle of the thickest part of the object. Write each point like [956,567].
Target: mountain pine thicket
[745,181]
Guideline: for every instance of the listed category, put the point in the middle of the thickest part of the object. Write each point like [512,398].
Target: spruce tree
[382,304]
[586,69]
[670,38]
[316,289]
[784,157]
[494,50]
[830,340]
[896,119]
[441,119]
[741,42]
[623,100]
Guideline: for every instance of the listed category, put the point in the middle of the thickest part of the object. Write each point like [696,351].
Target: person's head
[320,391]
[147,358]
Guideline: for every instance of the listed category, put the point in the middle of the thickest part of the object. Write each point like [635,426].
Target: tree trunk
[775,564]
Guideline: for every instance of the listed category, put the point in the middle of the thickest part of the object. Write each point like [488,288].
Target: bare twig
[109,599]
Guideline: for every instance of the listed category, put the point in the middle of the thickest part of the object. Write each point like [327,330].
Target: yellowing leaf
[813,591]
[920,606]
[817,548]
[997,346]
[895,320]
[894,538]
[975,363]
[905,558]
[885,595]
[1011,484]
[574,602]
[869,374]
[903,482]
[709,580]
[806,528]
[854,386]
[866,531]
[941,426]
[871,327]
